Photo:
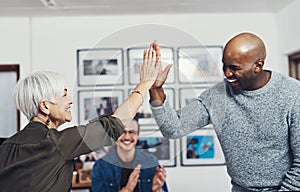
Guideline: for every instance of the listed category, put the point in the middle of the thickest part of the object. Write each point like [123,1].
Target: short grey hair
[41,85]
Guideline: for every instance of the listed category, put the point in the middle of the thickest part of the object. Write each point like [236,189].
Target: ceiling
[105,7]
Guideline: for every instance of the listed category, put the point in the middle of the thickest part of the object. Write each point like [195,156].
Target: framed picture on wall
[144,113]
[85,175]
[187,95]
[200,64]
[201,148]
[135,58]
[98,67]
[97,102]
[9,115]
[154,143]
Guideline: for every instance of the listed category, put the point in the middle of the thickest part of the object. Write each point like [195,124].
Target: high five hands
[157,95]
[133,179]
[150,68]
[162,74]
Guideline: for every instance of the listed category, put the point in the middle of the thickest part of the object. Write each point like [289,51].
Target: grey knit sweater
[259,131]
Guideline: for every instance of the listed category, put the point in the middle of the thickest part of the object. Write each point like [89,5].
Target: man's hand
[157,95]
[159,179]
[133,179]
[162,74]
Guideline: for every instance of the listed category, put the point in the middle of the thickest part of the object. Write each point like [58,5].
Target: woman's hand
[150,68]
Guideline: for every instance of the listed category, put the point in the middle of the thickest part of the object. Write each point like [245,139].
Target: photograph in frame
[153,142]
[93,103]
[200,64]
[135,58]
[201,148]
[144,113]
[89,159]
[98,67]
[85,175]
[188,95]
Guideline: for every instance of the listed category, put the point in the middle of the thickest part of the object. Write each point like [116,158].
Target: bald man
[255,113]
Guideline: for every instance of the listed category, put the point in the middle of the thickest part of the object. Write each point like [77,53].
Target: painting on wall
[144,113]
[201,148]
[98,67]
[93,103]
[188,95]
[152,141]
[135,58]
[200,64]
[85,175]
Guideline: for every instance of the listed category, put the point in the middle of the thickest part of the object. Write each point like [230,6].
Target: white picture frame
[144,113]
[187,95]
[98,67]
[152,141]
[201,148]
[135,58]
[200,64]
[98,102]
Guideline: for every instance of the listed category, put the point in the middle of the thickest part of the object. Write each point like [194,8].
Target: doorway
[294,65]
[9,115]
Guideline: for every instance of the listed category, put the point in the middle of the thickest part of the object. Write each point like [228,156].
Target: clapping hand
[159,179]
[133,179]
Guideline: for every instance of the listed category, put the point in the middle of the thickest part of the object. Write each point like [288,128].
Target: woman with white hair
[39,157]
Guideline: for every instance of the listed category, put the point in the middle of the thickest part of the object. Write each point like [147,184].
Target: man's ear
[43,107]
[259,66]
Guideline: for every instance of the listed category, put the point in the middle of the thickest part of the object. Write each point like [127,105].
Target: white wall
[51,44]
[15,40]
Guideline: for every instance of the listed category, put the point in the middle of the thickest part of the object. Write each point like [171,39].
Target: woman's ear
[43,107]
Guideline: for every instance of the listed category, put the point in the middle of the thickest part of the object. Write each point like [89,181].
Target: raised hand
[133,179]
[150,67]
[162,74]
[159,179]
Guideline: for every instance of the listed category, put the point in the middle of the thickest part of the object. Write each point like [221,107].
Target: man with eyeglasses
[128,169]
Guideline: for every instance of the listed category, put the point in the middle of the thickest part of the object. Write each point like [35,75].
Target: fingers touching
[133,179]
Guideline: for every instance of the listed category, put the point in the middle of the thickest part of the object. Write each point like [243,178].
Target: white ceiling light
[49,3]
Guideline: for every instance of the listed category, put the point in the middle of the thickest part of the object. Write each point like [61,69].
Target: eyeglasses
[130,132]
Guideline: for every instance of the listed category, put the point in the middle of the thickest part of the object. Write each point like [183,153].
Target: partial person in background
[39,157]
[128,169]
[255,113]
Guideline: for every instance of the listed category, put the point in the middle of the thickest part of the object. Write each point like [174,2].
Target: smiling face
[243,59]
[128,140]
[59,111]
[240,71]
